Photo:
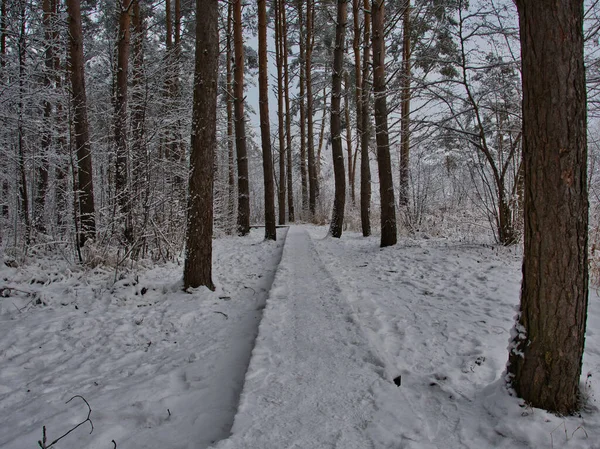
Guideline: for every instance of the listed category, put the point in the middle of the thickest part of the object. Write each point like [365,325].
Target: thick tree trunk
[230,149]
[280,113]
[288,116]
[265,131]
[198,258]
[546,355]
[313,180]
[365,168]
[339,202]
[121,183]
[386,185]
[302,83]
[83,150]
[243,217]
[405,106]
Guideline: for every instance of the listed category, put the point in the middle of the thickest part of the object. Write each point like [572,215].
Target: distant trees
[546,354]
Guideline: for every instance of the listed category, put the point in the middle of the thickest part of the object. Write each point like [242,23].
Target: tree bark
[265,132]
[121,182]
[386,185]
[302,83]
[87,230]
[546,355]
[348,135]
[365,168]
[288,116]
[230,137]
[358,88]
[405,107]
[280,113]
[313,186]
[243,217]
[22,48]
[339,202]
[198,258]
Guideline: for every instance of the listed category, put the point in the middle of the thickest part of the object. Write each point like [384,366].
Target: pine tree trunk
[546,356]
[243,217]
[198,258]
[230,137]
[405,107]
[288,116]
[321,134]
[357,90]
[339,201]
[280,113]
[365,168]
[265,131]
[83,150]
[120,116]
[386,185]
[313,187]
[348,135]
[138,103]
[302,83]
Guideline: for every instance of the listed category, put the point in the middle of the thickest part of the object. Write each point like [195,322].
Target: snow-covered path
[312,377]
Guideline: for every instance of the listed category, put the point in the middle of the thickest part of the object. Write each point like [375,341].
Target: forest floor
[344,323]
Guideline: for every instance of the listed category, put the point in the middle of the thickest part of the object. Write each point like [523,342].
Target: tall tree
[265,131]
[313,179]
[198,258]
[120,120]
[302,106]
[357,86]
[405,105]
[280,112]
[243,216]
[82,135]
[365,168]
[288,116]
[22,50]
[546,355]
[229,97]
[386,185]
[339,202]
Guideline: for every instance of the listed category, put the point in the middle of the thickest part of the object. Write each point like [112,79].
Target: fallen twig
[42,443]
[224,314]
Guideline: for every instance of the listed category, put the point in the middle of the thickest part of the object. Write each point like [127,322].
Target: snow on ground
[344,318]
[438,314]
[160,368]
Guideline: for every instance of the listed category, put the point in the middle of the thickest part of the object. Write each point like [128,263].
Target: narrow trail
[312,378]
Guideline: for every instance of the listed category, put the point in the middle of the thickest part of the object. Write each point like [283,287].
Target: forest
[361,223]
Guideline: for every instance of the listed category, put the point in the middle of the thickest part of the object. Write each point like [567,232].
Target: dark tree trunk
[280,113]
[313,180]
[386,185]
[545,359]
[365,168]
[83,150]
[46,139]
[357,90]
[339,202]
[3,36]
[230,149]
[302,83]
[243,217]
[265,132]
[348,135]
[120,117]
[288,116]
[138,103]
[405,107]
[198,258]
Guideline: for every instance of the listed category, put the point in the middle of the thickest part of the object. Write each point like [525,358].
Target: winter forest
[269,224]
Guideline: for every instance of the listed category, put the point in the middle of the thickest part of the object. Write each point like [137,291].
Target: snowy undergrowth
[439,314]
[160,368]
